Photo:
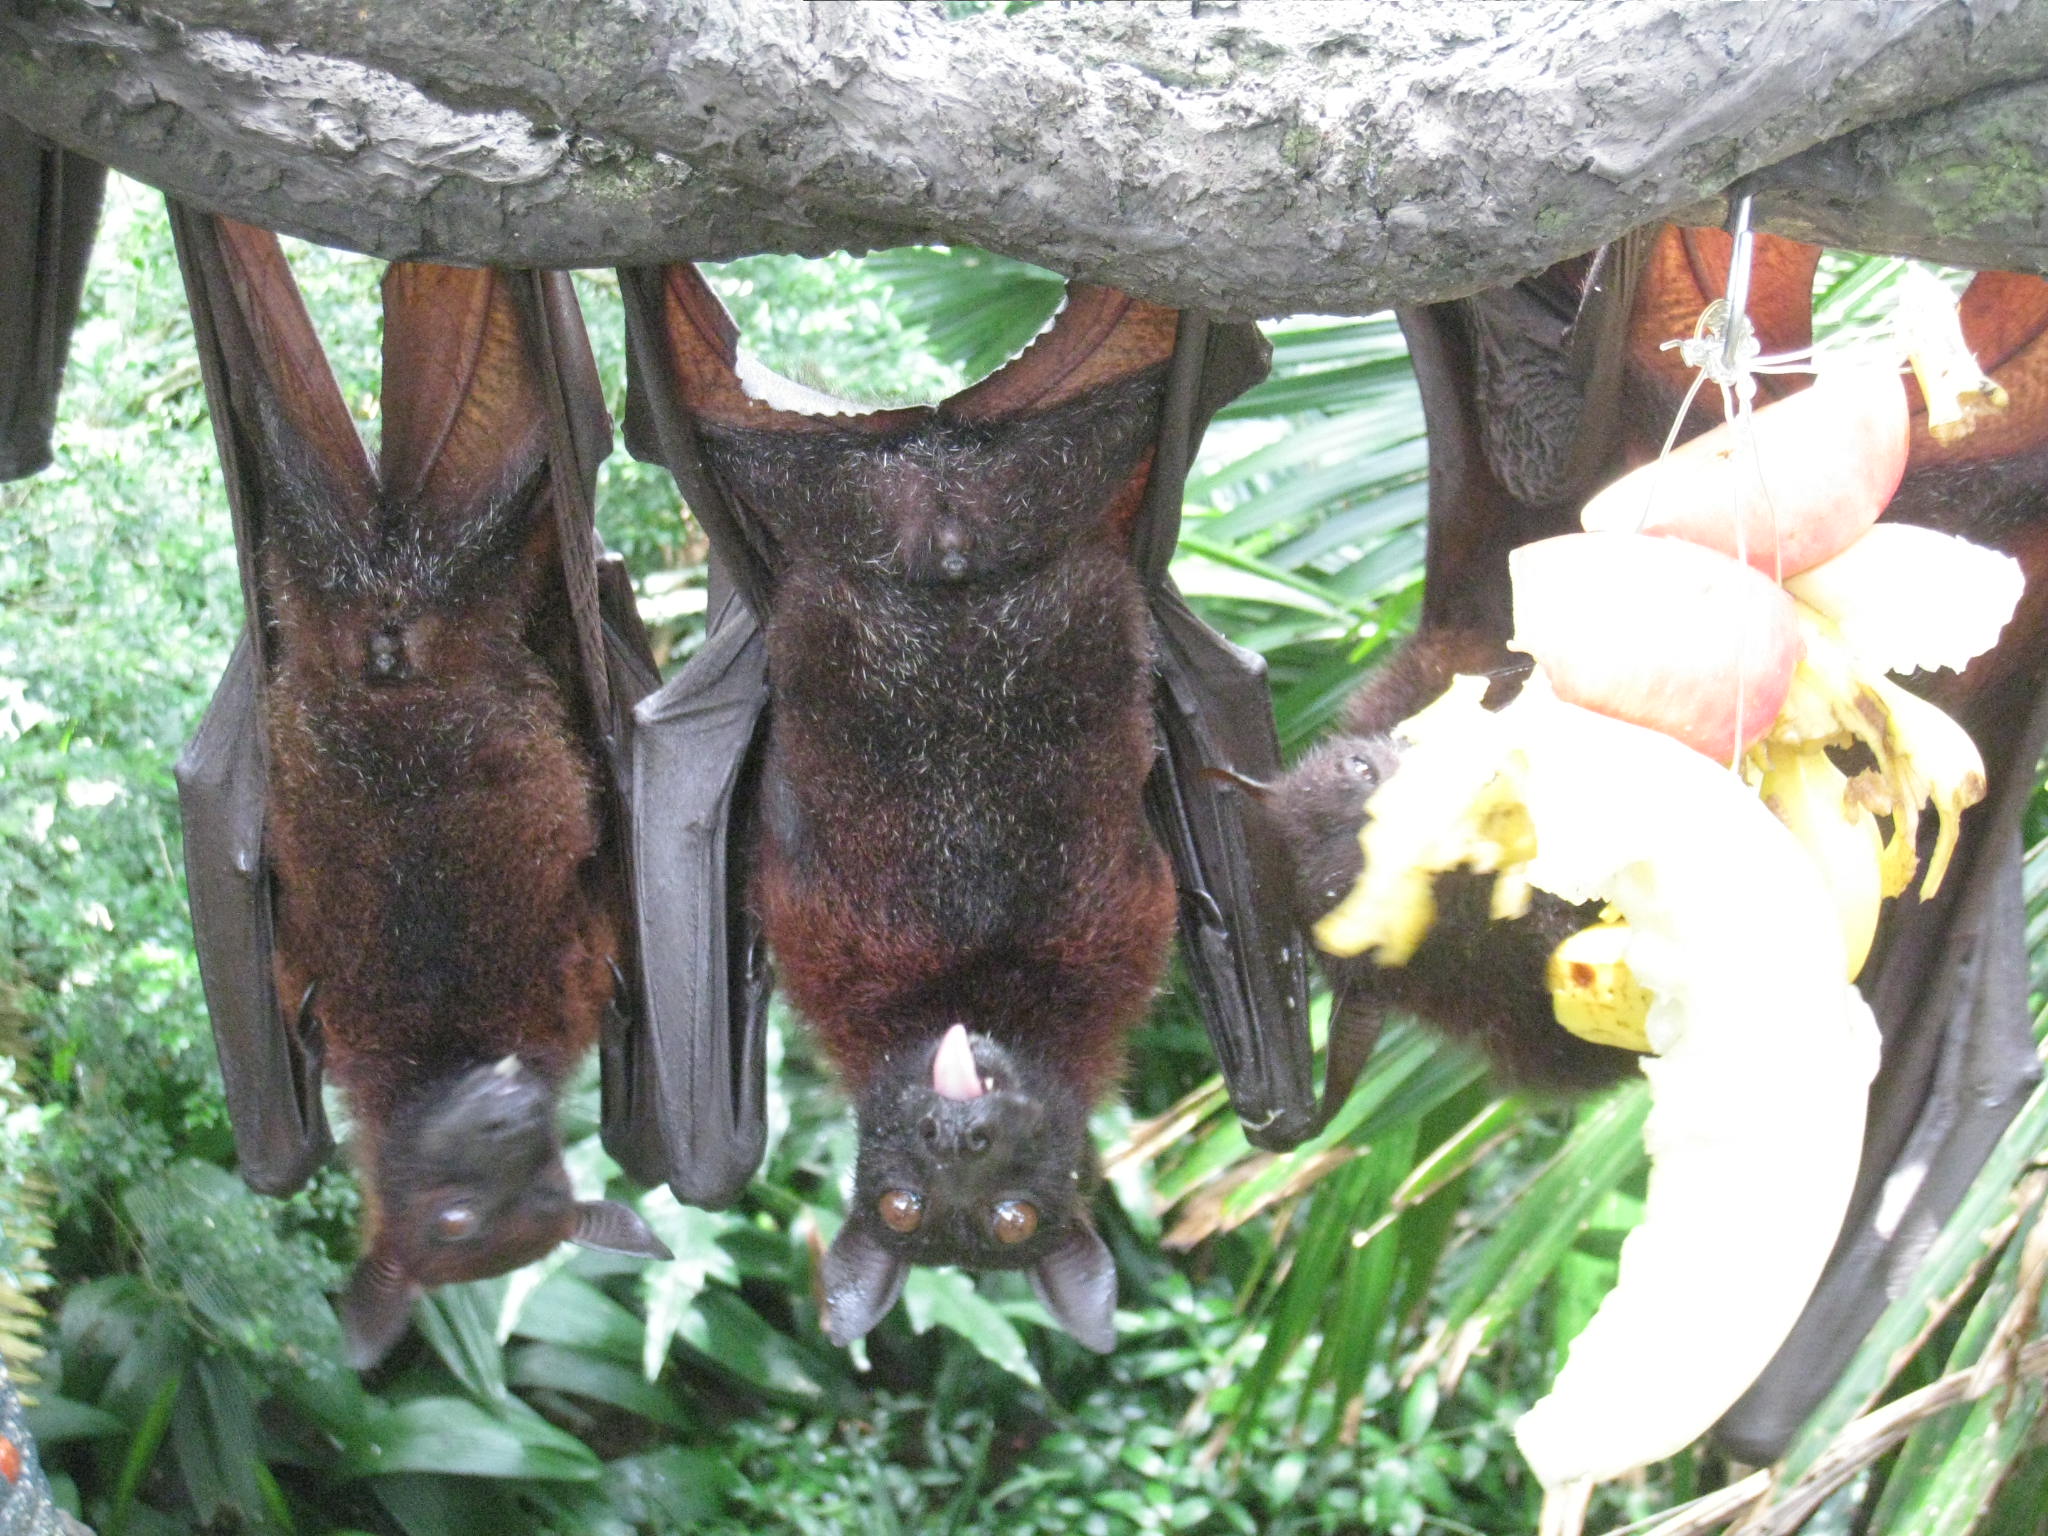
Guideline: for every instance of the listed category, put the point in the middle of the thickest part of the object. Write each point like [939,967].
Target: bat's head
[971,1155]
[1318,807]
[469,1183]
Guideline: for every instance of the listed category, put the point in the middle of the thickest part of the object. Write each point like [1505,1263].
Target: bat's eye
[1015,1220]
[901,1210]
[455,1222]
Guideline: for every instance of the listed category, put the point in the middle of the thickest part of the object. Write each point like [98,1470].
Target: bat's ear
[374,1311]
[1077,1283]
[610,1227]
[862,1281]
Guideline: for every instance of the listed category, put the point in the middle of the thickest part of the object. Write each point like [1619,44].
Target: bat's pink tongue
[954,1075]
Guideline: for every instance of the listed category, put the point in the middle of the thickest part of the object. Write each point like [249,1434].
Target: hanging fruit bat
[1476,979]
[402,816]
[1536,395]
[49,212]
[951,754]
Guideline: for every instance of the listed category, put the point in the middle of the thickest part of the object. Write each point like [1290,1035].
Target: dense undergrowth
[1334,1341]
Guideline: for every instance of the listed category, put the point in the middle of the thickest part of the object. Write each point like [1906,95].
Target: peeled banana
[1594,993]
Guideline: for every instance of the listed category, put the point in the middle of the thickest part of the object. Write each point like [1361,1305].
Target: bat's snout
[989,1126]
[488,1114]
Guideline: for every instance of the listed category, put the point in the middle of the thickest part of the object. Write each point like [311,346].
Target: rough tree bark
[1256,157]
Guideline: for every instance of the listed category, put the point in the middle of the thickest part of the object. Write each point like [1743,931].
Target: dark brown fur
[1478,980]
[441,924]
[432,839]
[959,655]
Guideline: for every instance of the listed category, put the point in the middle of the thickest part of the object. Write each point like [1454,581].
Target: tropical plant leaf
[947,1298]
[555,1368]
[454,1437]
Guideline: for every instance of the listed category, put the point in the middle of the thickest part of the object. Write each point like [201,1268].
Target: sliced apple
[1798,485]
[1659,633]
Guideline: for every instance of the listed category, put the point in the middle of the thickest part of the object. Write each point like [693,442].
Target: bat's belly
[953,808]
[430,848]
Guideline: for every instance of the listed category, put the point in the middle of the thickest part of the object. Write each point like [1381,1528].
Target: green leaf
[455,1437]
[672,1489]
[693,1236]
[948,1299]
[218,1450]
[977,310]
[460,1322]
[1604,1148]
[449,1506]
[731,1336]
[56,1419]
[570,1310]
[555,1368]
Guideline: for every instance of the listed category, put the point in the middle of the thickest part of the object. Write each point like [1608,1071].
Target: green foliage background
[1337,1340]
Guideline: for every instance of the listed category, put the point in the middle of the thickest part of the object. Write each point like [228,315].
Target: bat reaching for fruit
[981,710]
[1536,397]
[401,824]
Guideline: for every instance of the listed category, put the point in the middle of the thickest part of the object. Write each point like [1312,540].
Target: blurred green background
[1337,1340]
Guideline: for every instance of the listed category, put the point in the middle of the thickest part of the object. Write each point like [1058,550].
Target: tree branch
[1256,158]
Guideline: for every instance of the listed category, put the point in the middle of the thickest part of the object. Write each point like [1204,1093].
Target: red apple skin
[1658,632]
[1830,457]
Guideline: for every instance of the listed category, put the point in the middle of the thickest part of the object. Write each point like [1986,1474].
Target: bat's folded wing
[1215,720]
[1243,956]
[49,212]
[269,1066]
[274,404]
[685,1092]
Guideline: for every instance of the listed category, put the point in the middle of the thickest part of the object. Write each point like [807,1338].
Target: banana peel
[1958,392]
[1821,806]
[1923,757]
[1763,1051]
[1910,599]
[1465,815]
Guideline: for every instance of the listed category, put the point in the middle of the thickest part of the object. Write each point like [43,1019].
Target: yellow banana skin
[1811,796]
[1592,991]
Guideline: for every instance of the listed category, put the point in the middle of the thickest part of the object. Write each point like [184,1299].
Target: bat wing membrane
[49,212]
[686,1102]
[1215,721]
[271,396]
[269,1067]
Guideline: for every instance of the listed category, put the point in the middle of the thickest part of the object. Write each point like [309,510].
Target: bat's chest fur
[431,837]
[954,827]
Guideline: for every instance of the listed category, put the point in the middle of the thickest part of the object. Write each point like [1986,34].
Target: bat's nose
[950,1133]
[953,1129]
[490,1111]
